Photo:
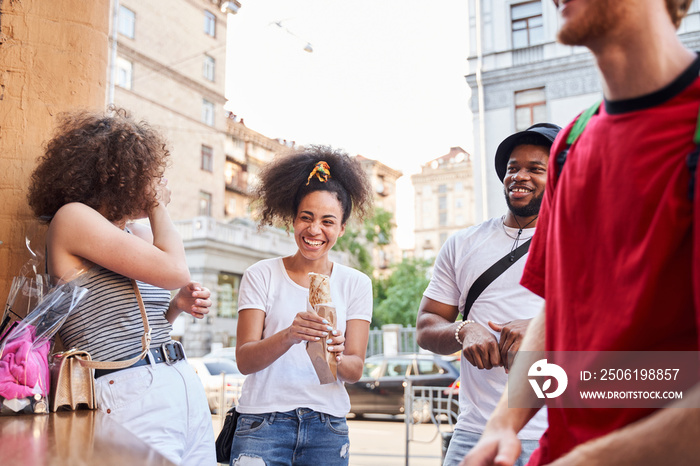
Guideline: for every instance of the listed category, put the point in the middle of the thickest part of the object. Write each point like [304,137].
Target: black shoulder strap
[493,273]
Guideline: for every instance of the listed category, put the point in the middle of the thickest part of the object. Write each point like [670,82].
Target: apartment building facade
[519,75]
[444,200]
[167,67]
[383,180]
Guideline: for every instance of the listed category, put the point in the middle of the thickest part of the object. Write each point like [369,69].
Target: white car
[218,373]
[228,352]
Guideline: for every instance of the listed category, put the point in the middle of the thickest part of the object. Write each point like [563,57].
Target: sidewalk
[383,443]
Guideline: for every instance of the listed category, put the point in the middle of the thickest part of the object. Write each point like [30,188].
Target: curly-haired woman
[287,417]
[98,173]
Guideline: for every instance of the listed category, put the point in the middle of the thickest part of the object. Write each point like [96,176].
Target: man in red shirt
[616,256]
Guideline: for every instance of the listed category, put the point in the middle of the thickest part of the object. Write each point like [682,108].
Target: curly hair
[678,9]
[283,185]
[106,161]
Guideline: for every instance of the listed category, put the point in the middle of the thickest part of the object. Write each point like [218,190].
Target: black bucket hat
[544,132]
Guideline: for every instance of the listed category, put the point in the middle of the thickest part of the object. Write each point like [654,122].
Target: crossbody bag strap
[492,273]
[145,341]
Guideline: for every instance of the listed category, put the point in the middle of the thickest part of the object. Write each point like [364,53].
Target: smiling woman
[314,192]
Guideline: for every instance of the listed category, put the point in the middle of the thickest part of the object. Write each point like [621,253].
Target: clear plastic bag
[25,344]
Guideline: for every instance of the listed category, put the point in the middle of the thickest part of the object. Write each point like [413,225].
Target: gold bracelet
[459,327]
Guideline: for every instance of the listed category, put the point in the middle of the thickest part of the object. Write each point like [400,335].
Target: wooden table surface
[72,438]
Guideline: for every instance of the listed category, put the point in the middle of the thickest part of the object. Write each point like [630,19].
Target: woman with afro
[98,173]
[287,417]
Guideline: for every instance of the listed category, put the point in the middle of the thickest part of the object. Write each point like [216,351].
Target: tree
[359,240]
[397,297]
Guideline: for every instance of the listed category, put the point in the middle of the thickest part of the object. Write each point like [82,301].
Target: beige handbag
[72,382]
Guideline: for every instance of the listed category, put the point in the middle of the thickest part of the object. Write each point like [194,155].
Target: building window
[209,68]
[380,186]
[205,204]
[236,176]
[207,112]
[124,73]
[227,294]
[443,238]
[230,209]
[459,203]
[427,215]
[207,158]
[442,219]
[458,186]
[442,203]
[126,22]
[527,24]
[442,188]
[209,23]
[530,108]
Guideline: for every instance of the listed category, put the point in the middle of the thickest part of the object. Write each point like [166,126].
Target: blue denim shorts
[299,437]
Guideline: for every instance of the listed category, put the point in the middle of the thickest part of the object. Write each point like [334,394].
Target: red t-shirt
[613,252]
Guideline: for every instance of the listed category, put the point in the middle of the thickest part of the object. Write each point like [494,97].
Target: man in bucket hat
[477,274]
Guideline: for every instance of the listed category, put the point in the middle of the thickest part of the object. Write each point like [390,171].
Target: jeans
[299,437]
[462,442]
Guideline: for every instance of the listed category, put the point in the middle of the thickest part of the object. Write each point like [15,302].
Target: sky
[385,79]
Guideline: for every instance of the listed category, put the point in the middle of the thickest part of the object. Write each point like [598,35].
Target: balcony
[244,234]
[528,55]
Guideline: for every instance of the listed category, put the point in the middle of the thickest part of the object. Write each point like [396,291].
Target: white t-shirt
[291,382]
[462,259]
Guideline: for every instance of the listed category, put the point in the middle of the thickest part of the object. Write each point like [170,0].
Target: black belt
[168,353]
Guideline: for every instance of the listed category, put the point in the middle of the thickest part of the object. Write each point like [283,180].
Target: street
[381,441]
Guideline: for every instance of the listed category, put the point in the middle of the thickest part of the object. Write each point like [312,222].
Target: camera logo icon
[542,368]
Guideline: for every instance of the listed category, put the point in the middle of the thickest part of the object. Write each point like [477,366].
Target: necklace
[517,236]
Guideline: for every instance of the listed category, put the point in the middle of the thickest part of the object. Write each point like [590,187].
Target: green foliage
[397,297]
[359,241]
[378,227]
[359,254]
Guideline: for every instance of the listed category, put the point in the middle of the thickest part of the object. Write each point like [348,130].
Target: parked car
[228,352]
[381,388]
[209,371]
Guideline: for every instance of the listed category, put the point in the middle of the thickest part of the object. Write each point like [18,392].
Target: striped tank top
[108,323]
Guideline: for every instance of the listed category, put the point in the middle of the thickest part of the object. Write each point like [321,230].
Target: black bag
[225,438]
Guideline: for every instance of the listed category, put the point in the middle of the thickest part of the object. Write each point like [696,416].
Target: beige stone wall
[54,56]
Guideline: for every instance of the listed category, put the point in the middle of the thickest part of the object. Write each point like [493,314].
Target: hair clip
[322,172]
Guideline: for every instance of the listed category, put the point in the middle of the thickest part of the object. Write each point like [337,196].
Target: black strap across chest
[492,273]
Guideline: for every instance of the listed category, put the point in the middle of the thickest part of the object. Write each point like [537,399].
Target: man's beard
[601,17]
[531,209]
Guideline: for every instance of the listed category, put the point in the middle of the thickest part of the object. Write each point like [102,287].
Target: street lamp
[307,48]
